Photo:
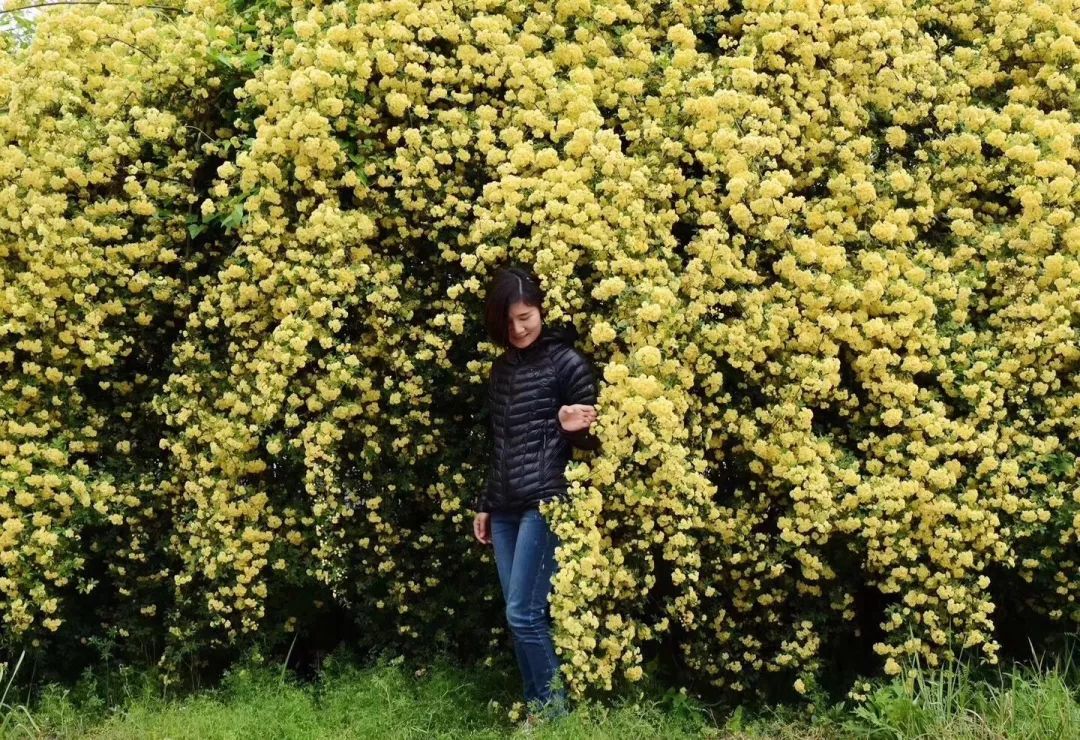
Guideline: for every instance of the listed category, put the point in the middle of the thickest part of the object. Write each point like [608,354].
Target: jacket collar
[548,335]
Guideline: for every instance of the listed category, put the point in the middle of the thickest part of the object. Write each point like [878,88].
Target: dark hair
[508,286]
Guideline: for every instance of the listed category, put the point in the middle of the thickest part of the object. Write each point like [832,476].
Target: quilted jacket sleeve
[578,385]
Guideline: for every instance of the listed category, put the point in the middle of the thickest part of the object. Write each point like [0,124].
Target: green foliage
[392,697]
[955,703]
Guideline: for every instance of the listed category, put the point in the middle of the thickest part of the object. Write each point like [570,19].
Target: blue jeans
[525,557]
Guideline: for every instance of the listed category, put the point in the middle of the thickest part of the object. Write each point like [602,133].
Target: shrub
[823,255]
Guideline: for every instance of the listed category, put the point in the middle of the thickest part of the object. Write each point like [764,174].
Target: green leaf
[235,218]
[251,59]
[221,59]
[194,229]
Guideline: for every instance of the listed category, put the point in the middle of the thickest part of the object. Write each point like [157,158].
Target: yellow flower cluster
[825,254]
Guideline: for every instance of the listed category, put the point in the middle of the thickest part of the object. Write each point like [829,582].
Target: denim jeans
[525,557]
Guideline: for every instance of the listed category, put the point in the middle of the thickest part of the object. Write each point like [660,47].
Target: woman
[541,397]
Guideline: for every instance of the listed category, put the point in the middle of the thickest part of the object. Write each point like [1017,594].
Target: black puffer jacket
[530,451]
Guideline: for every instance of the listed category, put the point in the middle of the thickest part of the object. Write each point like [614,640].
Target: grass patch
[1032,702]
[390,699]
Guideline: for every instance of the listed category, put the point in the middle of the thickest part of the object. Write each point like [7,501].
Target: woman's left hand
[577,416]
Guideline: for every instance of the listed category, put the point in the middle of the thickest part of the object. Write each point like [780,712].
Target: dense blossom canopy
[823,252]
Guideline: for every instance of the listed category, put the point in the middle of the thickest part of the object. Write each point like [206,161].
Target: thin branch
[89,2]
[168,178]
[125,43]
[147,55]
[209,138]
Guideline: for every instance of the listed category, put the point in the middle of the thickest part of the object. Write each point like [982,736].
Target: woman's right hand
[576,416]
[481,527]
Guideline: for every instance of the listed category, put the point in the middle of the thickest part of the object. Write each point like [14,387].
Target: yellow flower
[648,356]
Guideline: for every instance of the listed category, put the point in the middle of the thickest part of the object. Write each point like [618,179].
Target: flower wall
[823,256]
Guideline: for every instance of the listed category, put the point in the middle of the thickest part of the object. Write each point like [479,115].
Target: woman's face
[524,324]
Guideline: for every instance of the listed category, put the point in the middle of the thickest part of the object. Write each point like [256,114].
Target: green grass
[389,699]
[1037,702]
